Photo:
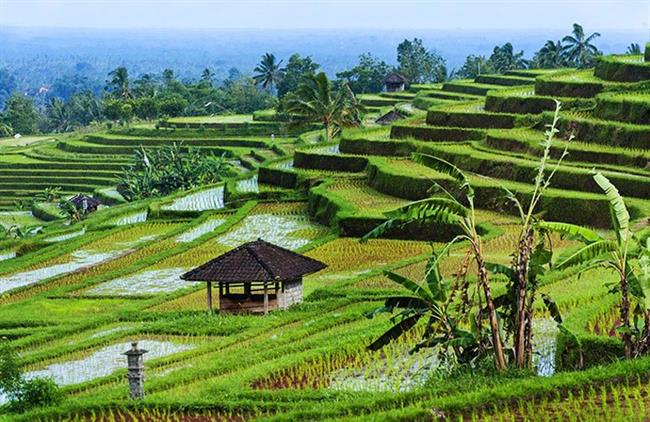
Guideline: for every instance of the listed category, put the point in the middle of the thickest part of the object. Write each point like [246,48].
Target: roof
[79,200]
[256,261]
[395,78]
[389,117]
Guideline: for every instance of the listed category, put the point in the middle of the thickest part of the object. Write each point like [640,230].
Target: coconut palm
[315,101]
[268,71]
[633,49]
[550,56]
[578,48]
[119,83]
[619,255]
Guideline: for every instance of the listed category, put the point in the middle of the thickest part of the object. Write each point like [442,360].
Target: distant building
[84,203]
[394,82]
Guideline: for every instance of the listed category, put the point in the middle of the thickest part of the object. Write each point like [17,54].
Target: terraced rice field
[74,296]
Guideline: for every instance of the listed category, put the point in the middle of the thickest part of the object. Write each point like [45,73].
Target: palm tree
[550,56]
[634,49]
[315,101]
[268,71]
[58,116]
[578,48]
[206,78]
[616,254]
[119,82]
[504,58]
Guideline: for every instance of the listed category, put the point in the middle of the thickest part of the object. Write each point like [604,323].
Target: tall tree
[550,56]
[20,113]
[474,66]
[419,65]
[295,71]
[367,76]
[59,116]
[207,77]
[315,101]
[269,72]
[578,48]
[504,58]
[118,84]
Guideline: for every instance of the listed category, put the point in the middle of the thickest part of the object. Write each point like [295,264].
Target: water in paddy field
[209,199]
[330,149]
[144,283]
[4,255]
[248,185]
[398,371]
[545,331]
[66,236]
[276,229]
[138,217]
[105,361]
[286,164]
[79,259]
[200,230]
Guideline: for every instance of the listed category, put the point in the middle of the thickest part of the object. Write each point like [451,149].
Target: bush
[36,392]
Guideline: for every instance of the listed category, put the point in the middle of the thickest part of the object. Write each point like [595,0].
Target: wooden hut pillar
[210,296]
[266,299]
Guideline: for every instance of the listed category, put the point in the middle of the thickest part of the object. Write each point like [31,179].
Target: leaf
[425,208]
[552,307]
[588,253]
[574,232]
[620,214]
[395,332]
[411,285]
[406,302]
[447,168]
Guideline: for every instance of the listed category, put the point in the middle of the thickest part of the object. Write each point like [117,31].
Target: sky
[618,15]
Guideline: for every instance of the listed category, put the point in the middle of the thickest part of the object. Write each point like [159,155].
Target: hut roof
[254,262]
[389,117]
[395,78]
[79,200]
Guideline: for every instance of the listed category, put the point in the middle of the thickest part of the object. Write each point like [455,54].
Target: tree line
[151,96]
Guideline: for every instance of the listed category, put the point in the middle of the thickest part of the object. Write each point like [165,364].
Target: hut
[256,277]
[84,203]
[394,82]
[390,117]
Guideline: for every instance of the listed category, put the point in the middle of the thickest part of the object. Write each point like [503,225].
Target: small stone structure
[256,277]
[135,375]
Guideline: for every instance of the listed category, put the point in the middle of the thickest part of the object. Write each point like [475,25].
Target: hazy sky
[384,14]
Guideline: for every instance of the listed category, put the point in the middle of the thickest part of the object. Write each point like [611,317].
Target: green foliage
[367,76]
[315,101]
[504,58]
[474,66]
[36,392]
[20,114]
[269,72]
[578,48]
[419,65]
[10,369]
[295,71]
[550,56]
[168,169]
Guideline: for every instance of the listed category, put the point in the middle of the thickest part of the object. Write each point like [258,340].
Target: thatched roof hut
[395,82]
[85,203]
[256,277]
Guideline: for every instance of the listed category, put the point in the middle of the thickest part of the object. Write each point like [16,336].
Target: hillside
[74,296]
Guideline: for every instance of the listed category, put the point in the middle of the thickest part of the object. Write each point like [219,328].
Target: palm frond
[620,214]
[580,233]
[587,253]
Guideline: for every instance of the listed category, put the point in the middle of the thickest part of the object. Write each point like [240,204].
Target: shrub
[36,392]
[615,68]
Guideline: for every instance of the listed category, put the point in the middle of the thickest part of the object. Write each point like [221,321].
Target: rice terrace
[396,237]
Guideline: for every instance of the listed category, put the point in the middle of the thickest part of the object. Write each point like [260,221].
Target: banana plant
[627,254]
[429,299]
[445,208]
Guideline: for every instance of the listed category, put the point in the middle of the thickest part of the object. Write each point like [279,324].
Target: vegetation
[515,287]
